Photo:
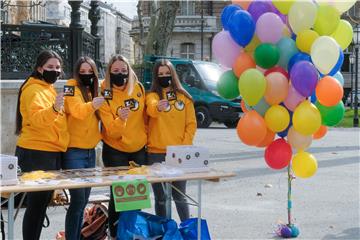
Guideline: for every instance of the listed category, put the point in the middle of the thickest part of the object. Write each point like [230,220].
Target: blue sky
[127,7]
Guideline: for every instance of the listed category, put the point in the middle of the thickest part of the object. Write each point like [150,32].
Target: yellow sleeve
[113,124]
[39,113]
[76,107]
[151,105]
[190,123]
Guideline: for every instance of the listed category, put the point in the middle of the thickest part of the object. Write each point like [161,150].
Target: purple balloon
[258,8]
[225,49]
[304,77]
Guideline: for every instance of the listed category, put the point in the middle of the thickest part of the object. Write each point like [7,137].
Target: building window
[187,50]
[187,8]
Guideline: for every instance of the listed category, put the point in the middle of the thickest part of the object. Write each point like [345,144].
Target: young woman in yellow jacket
[172,121]
[42,128]
[123,122]
[83,123]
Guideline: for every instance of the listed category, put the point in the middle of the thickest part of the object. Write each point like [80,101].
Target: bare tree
[162,21]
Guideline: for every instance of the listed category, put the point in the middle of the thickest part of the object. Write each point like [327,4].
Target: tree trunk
[161,27]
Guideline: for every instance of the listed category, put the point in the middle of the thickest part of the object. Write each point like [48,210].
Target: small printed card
[69,90]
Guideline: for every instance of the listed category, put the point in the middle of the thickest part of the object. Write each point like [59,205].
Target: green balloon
[227,86]
[331,116]
[252,85]
[266,55]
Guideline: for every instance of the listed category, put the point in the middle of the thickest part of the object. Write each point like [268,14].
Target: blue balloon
[339,63]
[287,48]
[226,13]
[241,27]
[293,36]
[300,56]
[338,76]
[313,97]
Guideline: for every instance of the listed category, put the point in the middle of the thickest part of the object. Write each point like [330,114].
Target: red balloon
[277,69]
[278,154]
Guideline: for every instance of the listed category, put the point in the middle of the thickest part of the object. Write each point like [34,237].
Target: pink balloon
[225,49]
[293,98]
[269,28]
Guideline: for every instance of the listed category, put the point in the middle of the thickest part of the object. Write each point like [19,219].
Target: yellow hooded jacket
[82,122]
[130,135]
[42,128]
[177,126]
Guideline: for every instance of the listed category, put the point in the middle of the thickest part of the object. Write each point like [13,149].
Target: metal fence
[20,45]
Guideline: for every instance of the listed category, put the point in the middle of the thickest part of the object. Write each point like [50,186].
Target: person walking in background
[123,122]
[43,135]
[81,105]
[172,121]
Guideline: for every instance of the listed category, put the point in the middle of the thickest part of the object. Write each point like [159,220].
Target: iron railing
[20,45]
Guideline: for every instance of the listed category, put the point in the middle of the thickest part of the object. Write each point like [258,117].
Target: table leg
[11,216]
[168,200]
[199,210]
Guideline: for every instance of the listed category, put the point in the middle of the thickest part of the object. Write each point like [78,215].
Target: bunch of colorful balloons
[285,59]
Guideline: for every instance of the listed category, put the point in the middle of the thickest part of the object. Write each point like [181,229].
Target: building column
[94,17]
[76,31]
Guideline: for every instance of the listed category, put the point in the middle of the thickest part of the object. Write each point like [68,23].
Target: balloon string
[290,178]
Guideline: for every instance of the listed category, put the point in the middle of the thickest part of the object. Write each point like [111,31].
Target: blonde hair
[132,78]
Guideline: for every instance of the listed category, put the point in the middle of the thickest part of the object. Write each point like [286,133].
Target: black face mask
[50,76]
[86,79]
[164,81]
[118,79]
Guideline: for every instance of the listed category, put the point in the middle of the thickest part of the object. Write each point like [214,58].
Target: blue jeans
[76,158]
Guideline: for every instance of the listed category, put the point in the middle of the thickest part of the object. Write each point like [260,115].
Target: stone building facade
[186,37]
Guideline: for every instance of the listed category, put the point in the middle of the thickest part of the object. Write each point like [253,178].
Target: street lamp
[351,60]
[356,45]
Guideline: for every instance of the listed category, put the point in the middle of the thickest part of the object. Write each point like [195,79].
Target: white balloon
[325,53]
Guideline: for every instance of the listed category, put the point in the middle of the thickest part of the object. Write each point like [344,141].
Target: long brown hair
[175,82]
[95,84]
[132,79]
[41,60]
[94,88]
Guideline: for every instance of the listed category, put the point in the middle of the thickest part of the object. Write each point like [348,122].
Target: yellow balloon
[283,5]
[302,15]
[342,5]
[297,140]
[277,118]
[327,20]
[305,39]
[250,48]
[343,34]
[325,54]
[306,118]
[304,165]
[252,86]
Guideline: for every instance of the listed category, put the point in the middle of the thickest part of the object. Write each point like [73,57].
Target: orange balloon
[321,132]
[243,62]
[243,106]
[329,91]
[251,128]
[277,86]
[269,137]
[244,4]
